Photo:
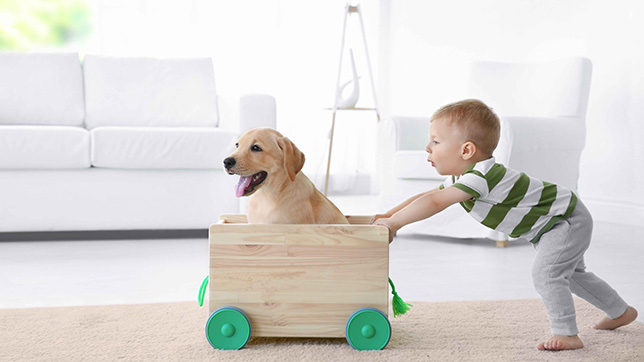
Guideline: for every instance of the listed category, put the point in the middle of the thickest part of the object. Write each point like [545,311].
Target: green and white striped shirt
[512,202]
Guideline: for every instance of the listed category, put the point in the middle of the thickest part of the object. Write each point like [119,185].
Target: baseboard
[615,212]
[103,235]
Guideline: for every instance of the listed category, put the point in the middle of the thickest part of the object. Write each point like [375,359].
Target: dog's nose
[229,162]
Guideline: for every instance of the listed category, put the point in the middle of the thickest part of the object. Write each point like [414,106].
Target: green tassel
[399,306]
[202,291]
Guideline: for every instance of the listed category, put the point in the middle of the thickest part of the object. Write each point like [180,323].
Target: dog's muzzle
[229,163]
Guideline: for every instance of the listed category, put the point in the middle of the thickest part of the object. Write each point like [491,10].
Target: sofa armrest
[412,133]
[397,133]
[241,113]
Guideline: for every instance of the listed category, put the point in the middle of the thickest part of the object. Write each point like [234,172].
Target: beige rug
[445,331]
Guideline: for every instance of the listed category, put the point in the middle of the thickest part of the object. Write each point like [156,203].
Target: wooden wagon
[298,281]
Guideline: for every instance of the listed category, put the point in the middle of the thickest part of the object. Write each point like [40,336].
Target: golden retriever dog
[269,165]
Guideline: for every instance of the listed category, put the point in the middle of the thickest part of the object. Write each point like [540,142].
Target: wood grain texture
[298,280]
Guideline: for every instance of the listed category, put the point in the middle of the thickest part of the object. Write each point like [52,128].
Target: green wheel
[228,328]
[368,329]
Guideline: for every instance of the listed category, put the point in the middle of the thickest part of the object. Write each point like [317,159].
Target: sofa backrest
[556,88]
[149,92]
[41,89]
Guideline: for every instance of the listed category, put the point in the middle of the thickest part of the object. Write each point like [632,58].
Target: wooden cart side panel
[258,234]
[299,280]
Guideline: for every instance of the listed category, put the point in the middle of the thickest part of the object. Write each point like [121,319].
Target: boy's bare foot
[558,343]
[624,319]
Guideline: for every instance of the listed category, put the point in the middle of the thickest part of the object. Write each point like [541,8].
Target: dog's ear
[293,158]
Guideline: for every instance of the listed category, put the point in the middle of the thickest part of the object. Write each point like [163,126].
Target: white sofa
[117,143]
[542,107]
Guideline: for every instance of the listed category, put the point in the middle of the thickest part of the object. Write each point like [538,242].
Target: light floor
[68,273]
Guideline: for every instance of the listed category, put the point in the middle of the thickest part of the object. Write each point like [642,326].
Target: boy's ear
[468,150]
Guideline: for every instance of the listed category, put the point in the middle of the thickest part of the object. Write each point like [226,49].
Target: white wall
[432,43]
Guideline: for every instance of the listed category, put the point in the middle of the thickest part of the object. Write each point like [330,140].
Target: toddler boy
[462,137]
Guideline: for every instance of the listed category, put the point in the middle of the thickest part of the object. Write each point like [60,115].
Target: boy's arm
[424,206]
[403,204]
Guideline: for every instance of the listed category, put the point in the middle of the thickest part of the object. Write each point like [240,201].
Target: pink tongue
[241,186]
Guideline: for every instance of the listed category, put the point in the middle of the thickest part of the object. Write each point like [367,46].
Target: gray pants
[559,269]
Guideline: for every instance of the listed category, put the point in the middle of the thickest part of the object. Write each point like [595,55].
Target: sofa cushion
[414,165]
[41,89]
[37,147]
[161,147]
[149,92]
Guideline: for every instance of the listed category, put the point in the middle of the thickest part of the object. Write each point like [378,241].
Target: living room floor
[95,272]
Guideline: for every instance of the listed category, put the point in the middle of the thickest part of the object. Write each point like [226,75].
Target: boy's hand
[378,216]
[387,222]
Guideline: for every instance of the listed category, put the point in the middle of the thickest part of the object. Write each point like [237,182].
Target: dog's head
[263,158]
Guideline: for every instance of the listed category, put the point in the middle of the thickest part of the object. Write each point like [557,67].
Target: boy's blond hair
[476,122]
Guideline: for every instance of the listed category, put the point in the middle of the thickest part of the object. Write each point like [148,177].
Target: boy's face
[445,148]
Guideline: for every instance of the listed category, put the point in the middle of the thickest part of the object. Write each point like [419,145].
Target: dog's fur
[286,195]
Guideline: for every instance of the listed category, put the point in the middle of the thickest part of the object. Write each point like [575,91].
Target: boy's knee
[548,277]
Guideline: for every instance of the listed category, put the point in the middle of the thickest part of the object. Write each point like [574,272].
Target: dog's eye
[236,145]
[256,148]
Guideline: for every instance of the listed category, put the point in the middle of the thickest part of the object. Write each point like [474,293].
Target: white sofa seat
[113,199]
[43,147]
[161,147]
